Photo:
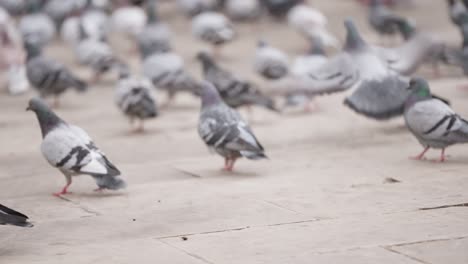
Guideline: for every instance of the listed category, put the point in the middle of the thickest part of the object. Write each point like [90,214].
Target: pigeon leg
[56,102]
[231,165]
[420,156]
[226,164]
[217,51]
[436,70]
[170,98]
[96,77]
[311,106]
[65,188]
[141,126]
[442,156]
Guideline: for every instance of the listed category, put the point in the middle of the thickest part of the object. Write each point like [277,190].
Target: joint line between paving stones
[279,206]
[426,241]
[84,208]
[193,255]
[240,228]
[405,255]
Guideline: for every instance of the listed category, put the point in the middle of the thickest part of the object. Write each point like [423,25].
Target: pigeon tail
[79,85]
[253,155]
[109,182]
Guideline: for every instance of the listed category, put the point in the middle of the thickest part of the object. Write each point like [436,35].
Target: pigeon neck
[32,52]
[48,120]
[406,30]
[210,97]
[208,64]
[354,41]
[418,96]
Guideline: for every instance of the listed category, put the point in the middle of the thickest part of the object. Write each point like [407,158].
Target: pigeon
[14,7]
[156,36]
[243,10]
[419,47]
[9,216]
[382,20]
[432,121]
[235,92]
[196,7]
[224,131]
[95,54]
[378,91]
[270,62]
[311,23]
[93,23]
[129,20]
[302,66]
[49,77]
[167,72]
[280,8]
[70,149]
[37,27]
[213,28]
[59,10]
[13,57]
[458,11]
[134,98]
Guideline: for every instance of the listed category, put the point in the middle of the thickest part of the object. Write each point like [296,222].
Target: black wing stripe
[437,125]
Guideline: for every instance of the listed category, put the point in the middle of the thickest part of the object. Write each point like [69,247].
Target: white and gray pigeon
[134,97]
[270,62]
[195,7]
[224,131]
[129,20]
[167,72]
[70,149]
[234,91]
[213,28]
[37,27]
[311,23]
[48,76]
[458,10]
[94,22]
[243,10]
[59,10]
[9,216]
[432,121]
[156,36]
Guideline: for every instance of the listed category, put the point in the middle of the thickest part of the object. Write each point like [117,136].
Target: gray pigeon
[213,28]
[134,98]
[382,19]
[235,92]
[48,76]
[156,36]
[223,130]
[270,62]
[379,91]
[458,11]
[9,216]
[432,121]
[96,54]
[167,72]
[71,150]
[419,47]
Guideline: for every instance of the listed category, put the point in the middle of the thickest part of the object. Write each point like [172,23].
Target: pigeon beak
[28,108]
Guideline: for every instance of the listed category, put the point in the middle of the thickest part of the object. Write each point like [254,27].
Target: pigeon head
[209,95]
[32,47]
[419,91]
[261,43]
[48,120]
[354,41]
